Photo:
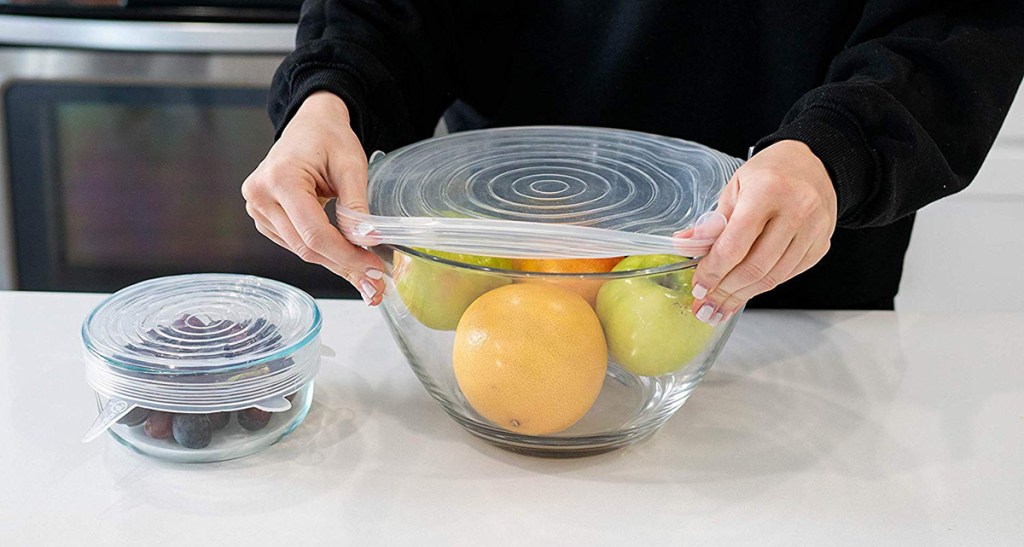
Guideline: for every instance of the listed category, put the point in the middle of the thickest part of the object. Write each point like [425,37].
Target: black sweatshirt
[900,99]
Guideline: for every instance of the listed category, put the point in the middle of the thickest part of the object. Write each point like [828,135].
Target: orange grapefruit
[587,288]
[530,357]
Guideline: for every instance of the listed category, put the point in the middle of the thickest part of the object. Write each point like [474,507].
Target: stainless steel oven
[123,146]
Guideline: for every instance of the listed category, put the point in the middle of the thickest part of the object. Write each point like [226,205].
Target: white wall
[967,251]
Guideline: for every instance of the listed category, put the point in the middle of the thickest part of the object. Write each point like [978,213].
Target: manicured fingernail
[374,273]
[715,319]
[368,291]
[699,291]
[704,313]
[363,229]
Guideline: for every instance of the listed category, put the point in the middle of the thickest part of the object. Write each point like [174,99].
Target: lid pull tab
[274,404]
[114,410]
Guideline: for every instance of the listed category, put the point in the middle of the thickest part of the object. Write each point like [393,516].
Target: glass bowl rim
[684,264]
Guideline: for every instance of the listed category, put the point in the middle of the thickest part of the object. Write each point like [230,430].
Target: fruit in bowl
[647,320]
[587,288]
[530,358]
[437,294]
[533,367]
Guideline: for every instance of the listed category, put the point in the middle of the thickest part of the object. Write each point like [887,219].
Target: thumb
[347,176]
[727,201]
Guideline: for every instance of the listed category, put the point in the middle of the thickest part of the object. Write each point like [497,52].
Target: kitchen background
[125,122]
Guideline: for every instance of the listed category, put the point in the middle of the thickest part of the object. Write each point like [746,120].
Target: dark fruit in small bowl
[192,430]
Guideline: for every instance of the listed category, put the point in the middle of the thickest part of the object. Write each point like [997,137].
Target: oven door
[121,166]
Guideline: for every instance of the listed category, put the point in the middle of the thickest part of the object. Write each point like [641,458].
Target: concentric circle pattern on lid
[602,178]
[202,322]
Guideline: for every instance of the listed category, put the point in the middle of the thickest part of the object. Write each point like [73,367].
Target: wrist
[837,141]
[325,105]
[809,160]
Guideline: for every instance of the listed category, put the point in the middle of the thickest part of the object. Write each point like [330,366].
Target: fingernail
[368,291]
[704,313]
[363,229]
[699,291]
[374,273]
[715,319]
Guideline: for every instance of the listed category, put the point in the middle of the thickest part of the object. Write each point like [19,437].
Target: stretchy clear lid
[201,343]
[543,192]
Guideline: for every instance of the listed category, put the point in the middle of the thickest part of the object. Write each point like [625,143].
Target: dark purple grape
[219,420]
[135,417]
[253,419]
[192,430]
[158,425]
[188,323]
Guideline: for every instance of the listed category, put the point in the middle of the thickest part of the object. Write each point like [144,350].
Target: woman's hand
[781,208]
[317,157]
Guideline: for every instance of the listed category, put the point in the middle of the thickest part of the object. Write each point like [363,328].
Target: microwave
[123,147]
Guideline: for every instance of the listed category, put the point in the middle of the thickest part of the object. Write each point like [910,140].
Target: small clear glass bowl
[227,442]
[202,367]
[657,351]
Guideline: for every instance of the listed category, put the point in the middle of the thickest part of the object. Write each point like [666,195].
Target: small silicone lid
[202,343]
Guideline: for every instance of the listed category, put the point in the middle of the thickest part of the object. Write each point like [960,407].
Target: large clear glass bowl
[642,312]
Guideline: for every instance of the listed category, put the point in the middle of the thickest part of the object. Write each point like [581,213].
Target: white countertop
[814,428]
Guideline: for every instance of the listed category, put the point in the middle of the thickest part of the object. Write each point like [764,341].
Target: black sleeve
[910,107]
[393,62]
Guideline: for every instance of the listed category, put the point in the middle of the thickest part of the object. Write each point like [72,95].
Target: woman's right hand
[317,157]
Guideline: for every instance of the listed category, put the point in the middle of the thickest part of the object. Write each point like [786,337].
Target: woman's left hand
[781,208]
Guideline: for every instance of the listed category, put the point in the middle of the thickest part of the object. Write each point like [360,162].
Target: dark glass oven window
[112,185]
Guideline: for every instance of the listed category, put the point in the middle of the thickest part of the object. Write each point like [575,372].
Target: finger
[266,227]
[813,256]
[803,260]
[781,272]
[366,279]
[348,177]
[281,225]
[746,225]
[261,220]
[362,268]
[685,233]
[759,263]
[709,225]
[317,234]
[349,181]
[269,233]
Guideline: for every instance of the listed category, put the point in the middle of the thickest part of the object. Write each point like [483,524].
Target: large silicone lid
[609,179]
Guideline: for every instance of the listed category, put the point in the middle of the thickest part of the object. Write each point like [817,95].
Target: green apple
[647,320]
[437,294]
